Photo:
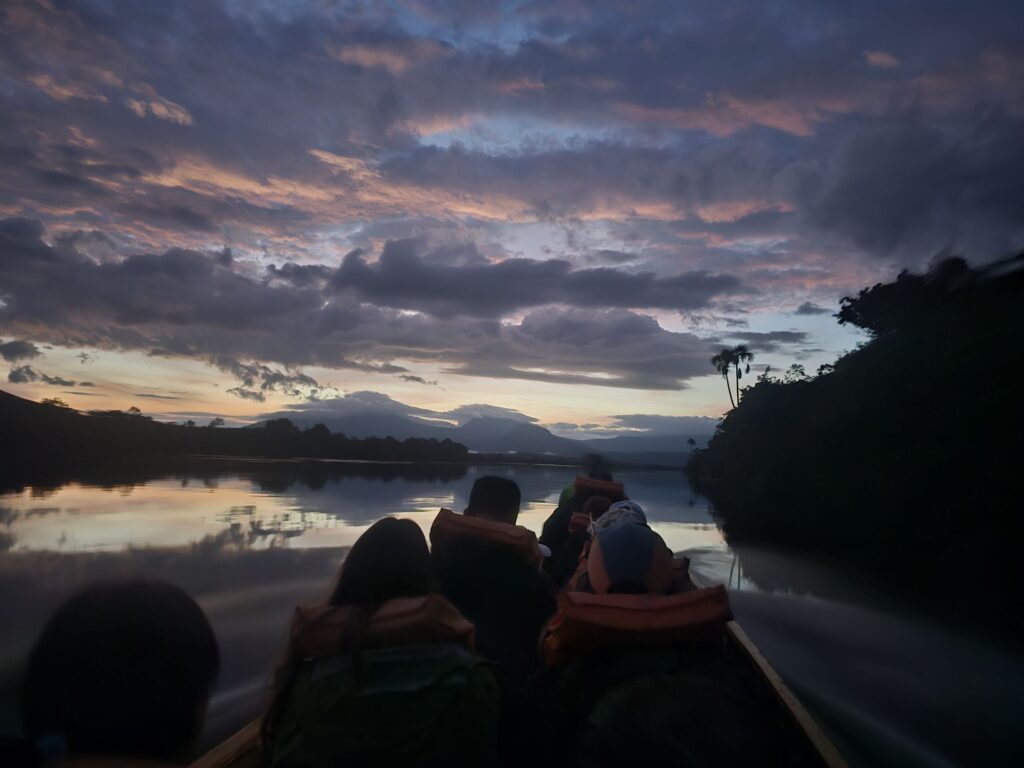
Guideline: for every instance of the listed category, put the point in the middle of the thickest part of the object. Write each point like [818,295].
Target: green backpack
[429,705]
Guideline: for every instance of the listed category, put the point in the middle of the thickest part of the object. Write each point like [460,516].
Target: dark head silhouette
[495,498]
[596,506]
[389,560]
[122,669]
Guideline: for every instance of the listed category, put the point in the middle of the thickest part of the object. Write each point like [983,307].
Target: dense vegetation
[50,432]
[912,442]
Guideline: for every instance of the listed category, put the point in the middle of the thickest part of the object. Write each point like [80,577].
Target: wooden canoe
[242,750]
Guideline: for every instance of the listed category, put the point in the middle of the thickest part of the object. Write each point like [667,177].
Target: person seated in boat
[489,568]
[633,666]
[385,673]
[564,532]
[121,675]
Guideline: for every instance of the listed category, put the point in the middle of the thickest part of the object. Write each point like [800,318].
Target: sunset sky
[560,208]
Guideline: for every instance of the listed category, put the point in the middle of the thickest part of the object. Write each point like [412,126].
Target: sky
[560,209]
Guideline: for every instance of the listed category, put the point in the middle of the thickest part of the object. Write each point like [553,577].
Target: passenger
[634,672]
[490,570]
[563,536]
[385,673]
[122,673]
[499,589]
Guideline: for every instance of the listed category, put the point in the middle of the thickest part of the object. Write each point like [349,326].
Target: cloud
[465,413]
[401,278]
[913,185]
[810,308]
[769,341]
[150,104]
[208,306]
[416,379]
[26,374]
[15,350]
[256,380]
[881,59]
[610,348]
[361,403]
[673,425]
[156,396]
[660,175]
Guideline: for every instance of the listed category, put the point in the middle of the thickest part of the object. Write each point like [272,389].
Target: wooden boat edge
[233,750]
[803,719]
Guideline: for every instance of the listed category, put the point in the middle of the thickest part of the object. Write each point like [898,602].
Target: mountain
[493,435]
[647,443]
[489,434]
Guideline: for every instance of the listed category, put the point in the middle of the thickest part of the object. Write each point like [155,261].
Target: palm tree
[693,444]
[722,361]
[741,355]
[739,358]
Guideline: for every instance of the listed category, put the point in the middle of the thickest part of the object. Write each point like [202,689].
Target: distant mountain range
[497,435]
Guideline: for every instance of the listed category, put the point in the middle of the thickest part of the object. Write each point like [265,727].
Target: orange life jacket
[448,526]
[586,622]
[318,631]
[578,522]
[585,487]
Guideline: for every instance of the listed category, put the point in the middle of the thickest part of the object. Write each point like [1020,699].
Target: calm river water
[893,687]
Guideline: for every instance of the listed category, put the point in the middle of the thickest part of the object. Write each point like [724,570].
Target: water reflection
[311,505]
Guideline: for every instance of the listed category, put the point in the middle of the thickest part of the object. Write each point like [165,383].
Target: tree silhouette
[216,422]
[738,357]
[722,361]
[741,356]
[693,444]
[56,402]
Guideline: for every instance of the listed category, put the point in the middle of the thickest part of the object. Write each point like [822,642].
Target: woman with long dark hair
[385,672]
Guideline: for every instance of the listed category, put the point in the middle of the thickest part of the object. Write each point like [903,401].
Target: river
[892,684]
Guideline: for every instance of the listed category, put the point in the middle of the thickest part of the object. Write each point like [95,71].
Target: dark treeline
[34,432]
[911,443]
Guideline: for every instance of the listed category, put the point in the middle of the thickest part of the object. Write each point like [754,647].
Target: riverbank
[901,459]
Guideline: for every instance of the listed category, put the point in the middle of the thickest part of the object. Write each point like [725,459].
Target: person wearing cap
[624,556]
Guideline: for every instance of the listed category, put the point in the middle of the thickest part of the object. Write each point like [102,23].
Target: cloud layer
[504,190]
[185,303]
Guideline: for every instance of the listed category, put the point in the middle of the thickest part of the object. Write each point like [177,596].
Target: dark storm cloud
[256,380]
[769,341]
[26,374]
[13,351]
[213,307]
[810,308]
[401,278]
[412,379]
[916,183]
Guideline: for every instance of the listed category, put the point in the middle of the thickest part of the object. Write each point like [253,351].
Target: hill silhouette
[494,434]
[48,433]
[906,453]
